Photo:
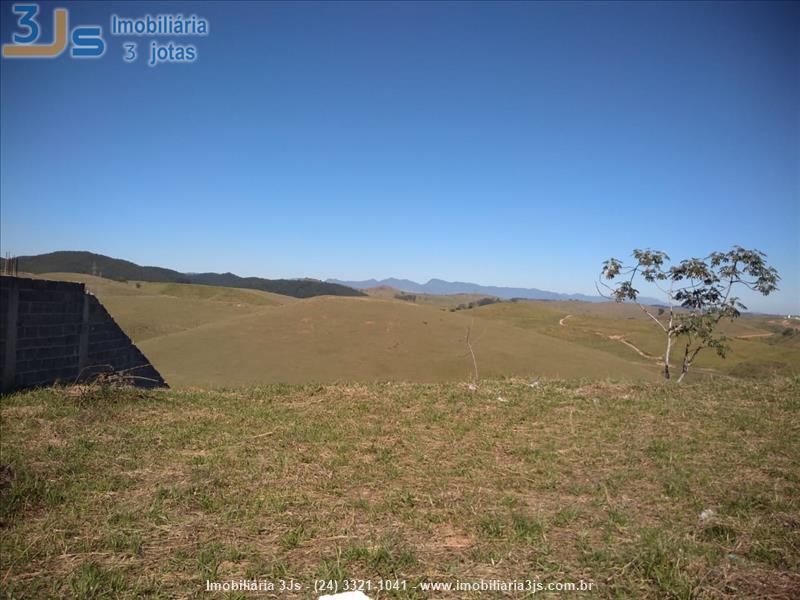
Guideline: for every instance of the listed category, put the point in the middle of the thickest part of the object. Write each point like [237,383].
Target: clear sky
[500,143]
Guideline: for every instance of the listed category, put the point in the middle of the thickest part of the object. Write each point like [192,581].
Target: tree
[698,293]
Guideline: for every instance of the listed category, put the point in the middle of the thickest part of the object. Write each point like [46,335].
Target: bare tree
[698,294]
[469,347]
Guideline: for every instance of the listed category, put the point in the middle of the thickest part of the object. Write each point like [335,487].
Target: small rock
[707,515]
[533,384]
[501,399]
[472,387]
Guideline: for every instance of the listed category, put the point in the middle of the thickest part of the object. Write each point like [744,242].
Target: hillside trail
[621,339]
[659,360]
[642,353]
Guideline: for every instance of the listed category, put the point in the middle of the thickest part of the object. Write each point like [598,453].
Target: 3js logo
[87,41]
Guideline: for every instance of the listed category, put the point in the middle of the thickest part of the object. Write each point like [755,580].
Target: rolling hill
[761,345]
[238,336]
[114,268]
[146,310]
[211,336]
[367,339]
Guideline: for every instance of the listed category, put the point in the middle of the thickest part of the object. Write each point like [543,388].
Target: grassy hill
[366,339]
[759,344]
[122,270]
[210,336]
[240,337]
[148,310]
[447,301]
[126,494]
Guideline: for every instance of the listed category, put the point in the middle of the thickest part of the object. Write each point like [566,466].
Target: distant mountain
[442,287]
[403,285]
[115,268]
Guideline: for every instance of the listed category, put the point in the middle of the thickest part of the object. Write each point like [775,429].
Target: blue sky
[501,143]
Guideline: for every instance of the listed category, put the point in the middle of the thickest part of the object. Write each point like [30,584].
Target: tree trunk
[688,359]
[666,356]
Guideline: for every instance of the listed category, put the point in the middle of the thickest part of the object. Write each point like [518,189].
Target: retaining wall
[54,331]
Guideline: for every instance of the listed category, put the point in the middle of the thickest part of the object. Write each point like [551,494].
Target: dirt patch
[446,536]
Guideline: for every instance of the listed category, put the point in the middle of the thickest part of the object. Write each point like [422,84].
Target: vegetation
[757,347]
[479,302]
[443,302]
[366,339]
[124,271]
[298,288]
[147,310]
[646,490]
[96,264]
[212,336]
[701,287]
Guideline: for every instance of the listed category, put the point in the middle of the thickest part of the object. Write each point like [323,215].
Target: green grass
[108,493]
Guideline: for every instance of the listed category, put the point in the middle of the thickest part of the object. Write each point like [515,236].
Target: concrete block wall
[54,331]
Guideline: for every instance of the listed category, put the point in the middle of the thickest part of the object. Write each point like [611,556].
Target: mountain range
[115,268]
[442,287]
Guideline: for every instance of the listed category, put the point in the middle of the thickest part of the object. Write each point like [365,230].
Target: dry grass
[147,310]
[759,347]
[215,336]
[120,493]
[367,339]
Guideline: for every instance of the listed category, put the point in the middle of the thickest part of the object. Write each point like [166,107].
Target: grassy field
[204,336]
[123,493]
[334,339]
[759,347]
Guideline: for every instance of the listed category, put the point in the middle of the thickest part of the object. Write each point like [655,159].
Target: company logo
[85,41]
